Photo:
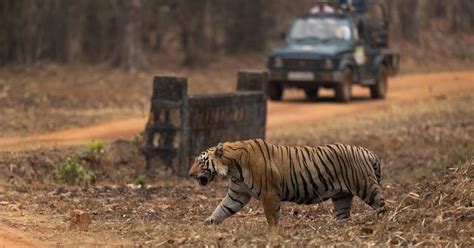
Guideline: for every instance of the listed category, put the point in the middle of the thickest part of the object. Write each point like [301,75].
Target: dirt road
[403,89]
[293,110]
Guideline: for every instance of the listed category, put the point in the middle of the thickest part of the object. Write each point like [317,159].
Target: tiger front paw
[211,221]
[382,210]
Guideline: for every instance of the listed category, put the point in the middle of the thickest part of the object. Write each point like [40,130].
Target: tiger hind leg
[376,201]
[342,204]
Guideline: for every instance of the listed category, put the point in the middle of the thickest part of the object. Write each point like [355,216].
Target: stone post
[166,132]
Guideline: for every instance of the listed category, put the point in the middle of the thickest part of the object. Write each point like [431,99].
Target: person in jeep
[322,7]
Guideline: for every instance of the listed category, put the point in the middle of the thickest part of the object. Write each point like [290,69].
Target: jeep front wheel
[379,89]
[275,91]
[311,93]
[344,89]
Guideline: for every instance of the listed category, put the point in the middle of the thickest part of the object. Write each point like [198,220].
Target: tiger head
[208,165]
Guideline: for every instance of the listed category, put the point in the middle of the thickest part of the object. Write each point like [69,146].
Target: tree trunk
[245,27]
[129,52]
[407,12]
[191,16]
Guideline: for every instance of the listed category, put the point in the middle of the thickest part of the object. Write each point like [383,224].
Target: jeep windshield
[320,29]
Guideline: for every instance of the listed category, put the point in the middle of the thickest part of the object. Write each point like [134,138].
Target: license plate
[300,76]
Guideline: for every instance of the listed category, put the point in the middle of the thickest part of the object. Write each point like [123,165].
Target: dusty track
[403,89]
[291,112]
[125,129]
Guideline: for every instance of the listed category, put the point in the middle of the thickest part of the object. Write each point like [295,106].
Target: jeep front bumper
[307,76]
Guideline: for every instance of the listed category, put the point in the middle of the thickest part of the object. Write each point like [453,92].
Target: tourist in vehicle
[322,7]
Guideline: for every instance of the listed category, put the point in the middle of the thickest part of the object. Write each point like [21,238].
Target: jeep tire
[343,90]
[275,91]
[379,89]
[311,93]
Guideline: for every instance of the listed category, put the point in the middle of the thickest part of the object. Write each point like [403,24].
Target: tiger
[301,174]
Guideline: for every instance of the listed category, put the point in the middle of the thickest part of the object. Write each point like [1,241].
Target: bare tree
[129,52]
[461,15]
[245,26]
[407,14]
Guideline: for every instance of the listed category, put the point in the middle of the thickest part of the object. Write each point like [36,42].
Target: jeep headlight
[277,62]
[328,64]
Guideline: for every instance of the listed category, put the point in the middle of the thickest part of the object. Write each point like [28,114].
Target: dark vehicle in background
[335,50]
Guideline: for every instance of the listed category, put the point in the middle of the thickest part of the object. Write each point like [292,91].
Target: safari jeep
[334,50]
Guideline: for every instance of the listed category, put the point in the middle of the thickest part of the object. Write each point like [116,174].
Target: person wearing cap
[322,7]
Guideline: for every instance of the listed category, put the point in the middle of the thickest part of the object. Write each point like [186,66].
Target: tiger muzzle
[203,180]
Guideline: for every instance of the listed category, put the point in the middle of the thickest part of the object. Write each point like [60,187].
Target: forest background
[134,33]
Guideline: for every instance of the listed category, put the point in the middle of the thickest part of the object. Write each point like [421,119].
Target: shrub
[141,180]
[73,171]
[95,147]
[92,153]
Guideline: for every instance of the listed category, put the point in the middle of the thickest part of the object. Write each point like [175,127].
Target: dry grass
[434,212]
[428,161]
[46,97]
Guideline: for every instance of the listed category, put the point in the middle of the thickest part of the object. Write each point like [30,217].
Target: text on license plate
[300,76]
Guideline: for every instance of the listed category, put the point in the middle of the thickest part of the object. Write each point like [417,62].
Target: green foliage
[96,146]
[138,137]
[73,171]
[93,151]
[78,169]
[141,180]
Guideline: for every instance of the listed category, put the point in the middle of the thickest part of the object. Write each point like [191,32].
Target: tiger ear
[219,150]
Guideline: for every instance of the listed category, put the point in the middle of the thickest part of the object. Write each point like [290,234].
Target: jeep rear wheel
[275,91]
[312,93]
[344,89]
[379,89]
